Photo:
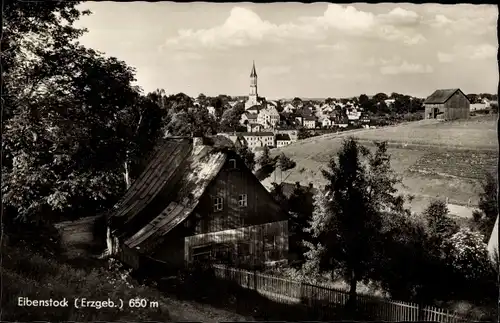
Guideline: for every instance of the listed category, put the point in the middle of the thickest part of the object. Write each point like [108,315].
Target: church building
[253,97]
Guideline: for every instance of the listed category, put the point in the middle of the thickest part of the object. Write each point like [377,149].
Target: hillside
[436,159]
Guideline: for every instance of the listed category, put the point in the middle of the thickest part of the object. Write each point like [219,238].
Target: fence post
[420,308]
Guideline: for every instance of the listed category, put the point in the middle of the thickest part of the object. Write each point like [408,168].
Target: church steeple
[253,73]
[253,97]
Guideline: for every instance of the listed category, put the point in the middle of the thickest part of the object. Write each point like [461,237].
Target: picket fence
[323,299]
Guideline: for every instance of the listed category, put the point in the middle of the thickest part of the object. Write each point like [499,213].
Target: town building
[254,127]
[309,121]
[449,104]
[283,140]
[268,117]
[197,202]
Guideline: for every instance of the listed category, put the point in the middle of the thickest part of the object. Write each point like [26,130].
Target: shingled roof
[166,192]
[441,96]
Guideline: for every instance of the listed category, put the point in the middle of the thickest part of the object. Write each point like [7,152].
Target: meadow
[436,159]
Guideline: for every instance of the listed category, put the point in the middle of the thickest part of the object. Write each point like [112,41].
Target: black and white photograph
[230,162]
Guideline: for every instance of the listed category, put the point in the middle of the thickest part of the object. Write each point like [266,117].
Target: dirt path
[184,311]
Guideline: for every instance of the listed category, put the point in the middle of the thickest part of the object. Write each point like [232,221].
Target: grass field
[437,160]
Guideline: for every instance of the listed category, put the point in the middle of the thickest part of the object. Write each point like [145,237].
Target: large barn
[447,104]
[197,201]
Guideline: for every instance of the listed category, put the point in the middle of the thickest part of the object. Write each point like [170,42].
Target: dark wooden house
[197,201]
[448,104]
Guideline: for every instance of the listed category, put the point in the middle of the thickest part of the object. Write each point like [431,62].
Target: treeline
[358,229]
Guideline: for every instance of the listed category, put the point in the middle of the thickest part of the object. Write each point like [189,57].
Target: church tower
[253,96]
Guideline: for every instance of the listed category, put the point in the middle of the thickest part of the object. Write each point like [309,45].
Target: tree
[488,205]
[191,123]
[380,97]
[439,223]
[360,188]
[473,98]
[472,271]
[265,158]
[300,206]
[363,98]
[278,195]
[297,102]
[247,155]
[230,120]
[67,134]
[285,162]
[217,103]
[303,133]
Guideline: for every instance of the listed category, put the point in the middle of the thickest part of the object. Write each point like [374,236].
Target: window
[218,204]
[243,200]
[269,242]
[232,163]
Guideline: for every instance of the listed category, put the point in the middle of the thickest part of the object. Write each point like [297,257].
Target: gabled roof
[256,108]
[255,134]
[282,136]
[167,191]
[441,96]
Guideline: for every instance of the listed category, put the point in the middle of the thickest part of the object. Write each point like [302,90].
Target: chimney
[197,141]
[311,186]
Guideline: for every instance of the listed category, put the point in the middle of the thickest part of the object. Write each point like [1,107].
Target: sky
[314,50]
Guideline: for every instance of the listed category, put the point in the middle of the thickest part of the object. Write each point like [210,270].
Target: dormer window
[232,163]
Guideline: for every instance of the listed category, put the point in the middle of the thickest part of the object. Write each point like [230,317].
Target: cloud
[400,16]
[441,21]
[484,51]
[406,68]
[243,27]
[445,57]
[480,19]
[391,33]
[345,18]
[473,52]
[332,47]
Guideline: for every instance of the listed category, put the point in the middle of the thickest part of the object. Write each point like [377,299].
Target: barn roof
[441,96]
[167,191]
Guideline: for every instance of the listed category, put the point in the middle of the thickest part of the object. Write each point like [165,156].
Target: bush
[285,162]
[29,274]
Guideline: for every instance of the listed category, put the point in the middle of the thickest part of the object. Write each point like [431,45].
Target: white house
[283,140]
[268,117]
[248,117]
[211,110]
[326,122]
[256,139]
[289,108]
[309,122]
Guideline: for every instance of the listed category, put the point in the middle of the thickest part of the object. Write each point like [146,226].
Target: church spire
[253,73]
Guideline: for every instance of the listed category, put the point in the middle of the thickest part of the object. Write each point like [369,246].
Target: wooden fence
[323,299]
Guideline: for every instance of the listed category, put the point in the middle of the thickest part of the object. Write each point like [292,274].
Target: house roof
[282,136]
[441,96]
[256,108]
[251,115]
[309,118]
[167,191]
[255,134]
